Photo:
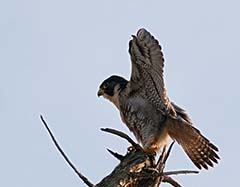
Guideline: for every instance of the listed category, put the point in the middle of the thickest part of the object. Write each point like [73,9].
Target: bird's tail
[199,149]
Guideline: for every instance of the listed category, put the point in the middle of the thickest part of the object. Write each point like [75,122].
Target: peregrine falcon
[146,109]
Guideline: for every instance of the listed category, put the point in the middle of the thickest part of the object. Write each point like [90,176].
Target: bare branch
[164,156]
[171,181]
[122,135]
[82,177]
[168,152]
[116,155]
[161,161]
[163,174]
[167,173]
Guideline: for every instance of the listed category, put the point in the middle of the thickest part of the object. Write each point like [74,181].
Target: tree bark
[124,175]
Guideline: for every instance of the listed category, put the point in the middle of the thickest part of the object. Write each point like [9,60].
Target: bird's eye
[105,86]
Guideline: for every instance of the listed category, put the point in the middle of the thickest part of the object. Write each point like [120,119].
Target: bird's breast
[144,121]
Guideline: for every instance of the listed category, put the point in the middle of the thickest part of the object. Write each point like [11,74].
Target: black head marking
[109,84]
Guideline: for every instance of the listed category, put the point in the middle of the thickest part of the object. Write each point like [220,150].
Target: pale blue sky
[54,54]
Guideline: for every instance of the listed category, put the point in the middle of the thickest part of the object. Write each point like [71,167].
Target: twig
[168,152]
[163,174]
[122,135]
[171,181]
[162,161]
[116,155]
[82,177]
[167,173]
[164,156]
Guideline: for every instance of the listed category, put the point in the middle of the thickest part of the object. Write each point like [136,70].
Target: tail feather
[199,149]
[182,113]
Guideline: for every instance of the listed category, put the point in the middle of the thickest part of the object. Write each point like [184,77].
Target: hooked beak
[100,92]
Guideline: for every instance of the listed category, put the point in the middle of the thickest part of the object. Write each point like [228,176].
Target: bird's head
[111,87]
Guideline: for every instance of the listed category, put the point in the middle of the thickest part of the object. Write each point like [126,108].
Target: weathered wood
[135,161]
[136,168]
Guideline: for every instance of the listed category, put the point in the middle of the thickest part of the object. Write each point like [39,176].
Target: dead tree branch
[116,155]
[163,174]
[81,176]
[171,181]
[136,168]
[122,135]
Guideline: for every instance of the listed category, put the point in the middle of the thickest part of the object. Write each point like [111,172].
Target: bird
[146,109]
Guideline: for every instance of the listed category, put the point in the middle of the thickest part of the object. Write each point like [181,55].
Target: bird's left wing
[147,68]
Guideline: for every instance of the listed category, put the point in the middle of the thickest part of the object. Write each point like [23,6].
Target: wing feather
[147,68]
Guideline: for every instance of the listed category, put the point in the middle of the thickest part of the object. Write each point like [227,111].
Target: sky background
[55,53]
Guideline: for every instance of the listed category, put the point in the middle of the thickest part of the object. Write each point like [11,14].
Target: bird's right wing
[147,69]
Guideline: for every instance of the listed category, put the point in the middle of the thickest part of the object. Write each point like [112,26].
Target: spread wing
[147,69]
